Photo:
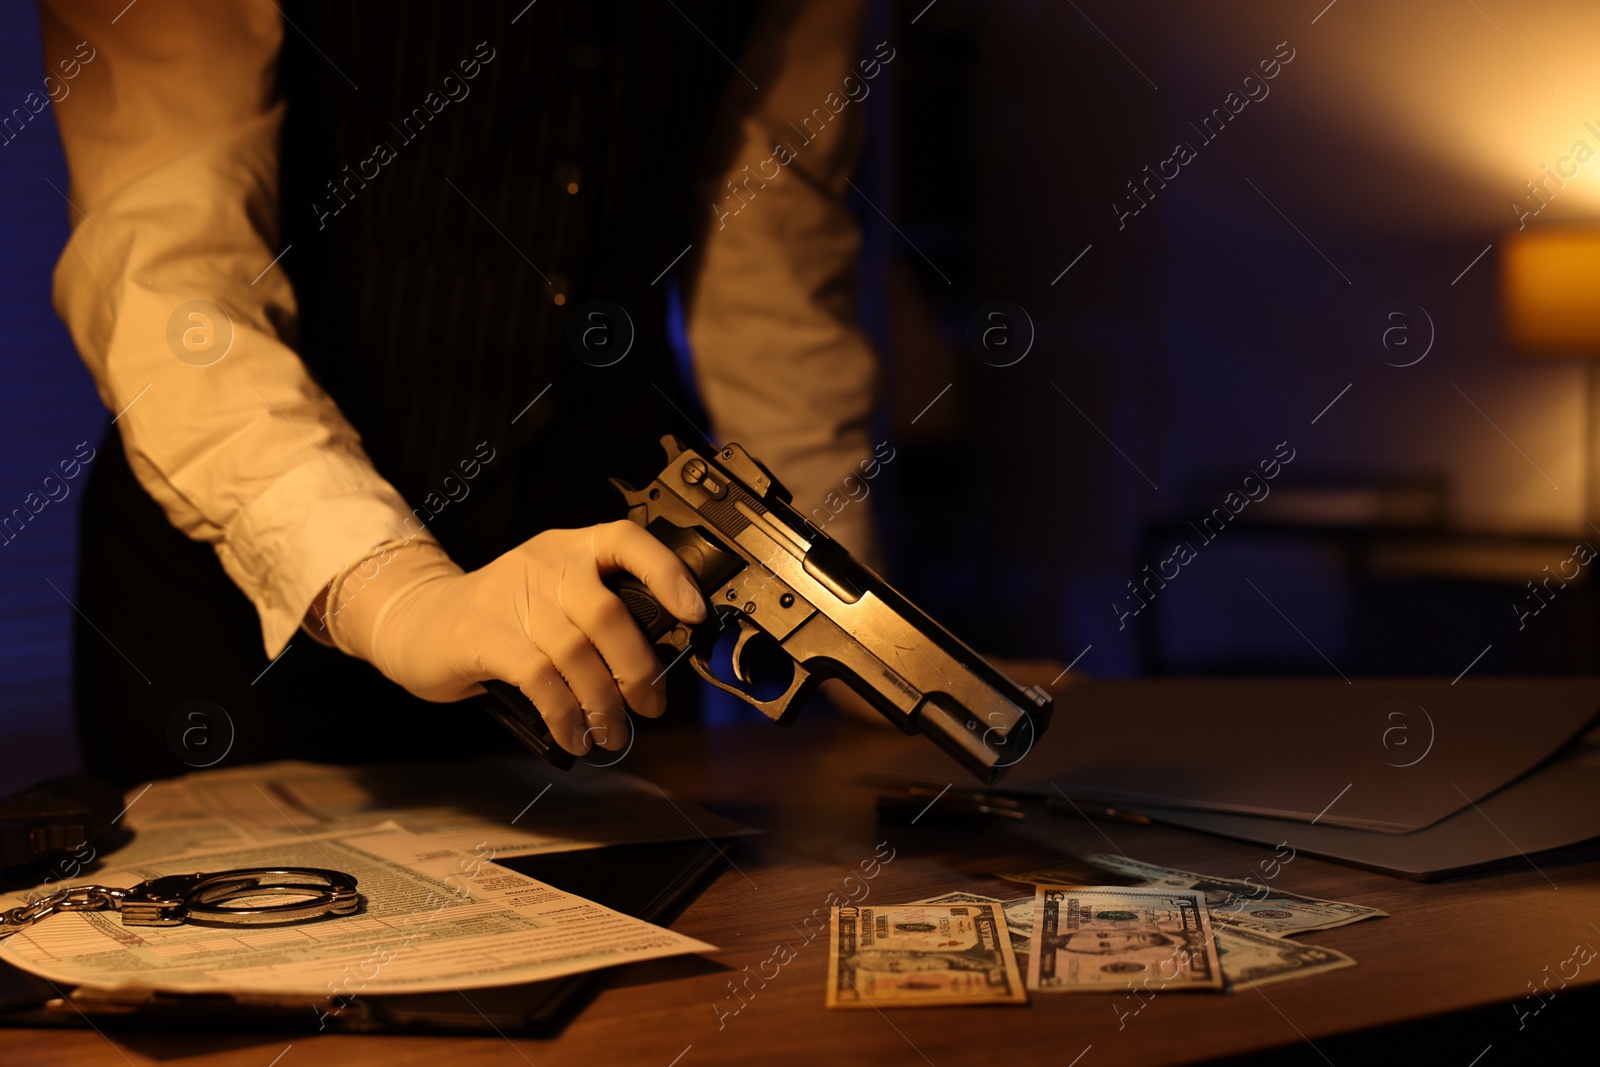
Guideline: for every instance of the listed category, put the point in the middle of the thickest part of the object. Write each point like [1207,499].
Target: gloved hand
[537,617]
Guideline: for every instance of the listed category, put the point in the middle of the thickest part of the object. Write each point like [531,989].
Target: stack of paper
[421,840]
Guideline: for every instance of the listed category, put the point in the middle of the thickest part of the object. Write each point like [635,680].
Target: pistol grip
[710,564]
[655,620]
[517,714]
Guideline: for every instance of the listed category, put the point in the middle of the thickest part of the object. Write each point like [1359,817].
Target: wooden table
[1455,955]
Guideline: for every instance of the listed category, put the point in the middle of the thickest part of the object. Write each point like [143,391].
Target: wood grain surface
[1474,943]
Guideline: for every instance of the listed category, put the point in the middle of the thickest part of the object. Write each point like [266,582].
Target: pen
[954,804]
[974,803]
[1097,810]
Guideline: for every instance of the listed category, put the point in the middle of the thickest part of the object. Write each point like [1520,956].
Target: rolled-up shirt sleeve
[178,296]
[780,361]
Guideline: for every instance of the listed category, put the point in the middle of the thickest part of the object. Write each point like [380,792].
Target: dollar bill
[959,898]
[1019,917]
[1100,938]
[1018,913]
[903,955]
[1253,958]
[1252,905]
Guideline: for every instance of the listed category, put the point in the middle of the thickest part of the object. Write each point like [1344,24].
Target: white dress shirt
[171,135]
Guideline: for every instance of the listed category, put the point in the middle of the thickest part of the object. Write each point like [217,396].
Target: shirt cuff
[316,520]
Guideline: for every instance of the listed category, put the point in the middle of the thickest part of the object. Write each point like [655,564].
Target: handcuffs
[205,898]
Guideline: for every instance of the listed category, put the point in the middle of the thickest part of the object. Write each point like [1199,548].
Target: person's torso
[457,186]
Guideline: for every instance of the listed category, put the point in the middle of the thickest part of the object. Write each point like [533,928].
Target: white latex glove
[538,617]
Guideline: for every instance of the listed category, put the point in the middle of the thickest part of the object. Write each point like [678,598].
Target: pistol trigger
[779,710]
[747,630]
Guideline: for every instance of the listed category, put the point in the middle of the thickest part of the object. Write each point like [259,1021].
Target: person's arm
[171,136]
[781,363]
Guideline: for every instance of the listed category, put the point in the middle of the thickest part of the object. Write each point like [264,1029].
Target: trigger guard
[780,709]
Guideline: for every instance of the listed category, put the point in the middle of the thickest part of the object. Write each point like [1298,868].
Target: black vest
[455,188]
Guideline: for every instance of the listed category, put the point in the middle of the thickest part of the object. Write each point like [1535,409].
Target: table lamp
[1550,305]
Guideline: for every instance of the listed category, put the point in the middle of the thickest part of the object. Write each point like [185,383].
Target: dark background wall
[47,406]
[1192,339]
[1179,350]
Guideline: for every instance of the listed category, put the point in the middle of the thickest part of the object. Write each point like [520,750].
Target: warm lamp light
[1550,291]
[1550,305]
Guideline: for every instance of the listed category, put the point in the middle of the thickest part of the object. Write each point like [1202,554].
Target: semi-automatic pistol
[798,610]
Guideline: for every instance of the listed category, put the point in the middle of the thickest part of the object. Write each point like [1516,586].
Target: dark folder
[1420,777]
[1391,755]
[1551,815]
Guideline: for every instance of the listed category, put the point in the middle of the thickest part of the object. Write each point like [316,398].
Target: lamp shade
[1550,290]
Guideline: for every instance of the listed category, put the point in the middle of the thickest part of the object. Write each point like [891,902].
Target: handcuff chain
[170,900]
[72,898]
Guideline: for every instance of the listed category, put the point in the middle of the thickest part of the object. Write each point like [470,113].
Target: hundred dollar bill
[903,955]
[1252,958]
[1100,938]
[959,898]
[1252,905]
